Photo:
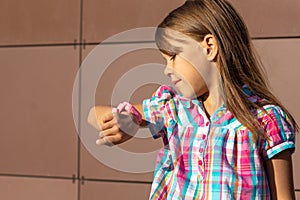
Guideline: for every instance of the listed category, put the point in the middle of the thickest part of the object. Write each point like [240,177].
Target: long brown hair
[236,60]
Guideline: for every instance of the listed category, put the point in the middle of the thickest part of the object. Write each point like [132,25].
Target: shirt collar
[222,116]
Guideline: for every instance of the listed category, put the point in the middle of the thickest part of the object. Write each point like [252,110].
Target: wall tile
[39,21]
[93,167]
[270,18]
[16,188]
[298,195]
[116,62]
[38,134]
[281,59]
[114,191]
[102,19]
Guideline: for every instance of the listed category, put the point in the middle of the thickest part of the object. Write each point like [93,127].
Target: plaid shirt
[214,158]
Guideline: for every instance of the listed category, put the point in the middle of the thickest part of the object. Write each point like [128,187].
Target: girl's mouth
[176,81]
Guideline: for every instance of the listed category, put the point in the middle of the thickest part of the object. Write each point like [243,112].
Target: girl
[226,136]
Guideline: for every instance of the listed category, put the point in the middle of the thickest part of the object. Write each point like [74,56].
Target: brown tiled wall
[42,44]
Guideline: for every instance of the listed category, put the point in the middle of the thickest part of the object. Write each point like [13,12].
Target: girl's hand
[115,128]
[110,129]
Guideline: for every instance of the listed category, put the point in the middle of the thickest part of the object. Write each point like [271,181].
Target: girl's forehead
[171,42]
[175,37]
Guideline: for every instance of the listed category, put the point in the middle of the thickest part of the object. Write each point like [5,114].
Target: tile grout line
[37,176]
[79,179]
[116,181]
[275,38]
[74,44]
[79,100]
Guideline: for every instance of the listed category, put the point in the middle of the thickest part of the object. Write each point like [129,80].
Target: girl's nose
[168,70]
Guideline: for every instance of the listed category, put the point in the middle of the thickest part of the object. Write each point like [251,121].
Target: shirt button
[203,137]
[207,123]
[201,150]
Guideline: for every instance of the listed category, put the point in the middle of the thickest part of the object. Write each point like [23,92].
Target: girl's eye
[173,57]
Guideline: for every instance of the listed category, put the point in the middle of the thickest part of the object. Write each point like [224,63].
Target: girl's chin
[190,94]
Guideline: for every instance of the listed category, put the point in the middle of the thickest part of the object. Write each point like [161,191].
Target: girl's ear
[210,47]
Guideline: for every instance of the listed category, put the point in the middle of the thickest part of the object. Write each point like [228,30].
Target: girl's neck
[212,101]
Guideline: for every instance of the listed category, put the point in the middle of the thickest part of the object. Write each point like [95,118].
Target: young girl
[226,136]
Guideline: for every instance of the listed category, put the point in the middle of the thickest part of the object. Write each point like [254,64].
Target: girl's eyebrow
[171,51]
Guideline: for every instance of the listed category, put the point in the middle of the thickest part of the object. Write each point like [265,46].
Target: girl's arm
[101,118]
[280,175]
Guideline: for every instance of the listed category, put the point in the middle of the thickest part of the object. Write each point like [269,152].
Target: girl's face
[185,77]
[193,68]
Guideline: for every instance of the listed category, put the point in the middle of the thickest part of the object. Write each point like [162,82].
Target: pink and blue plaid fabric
[214,158]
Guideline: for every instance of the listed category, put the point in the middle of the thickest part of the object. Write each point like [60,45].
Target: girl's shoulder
[268,113]
[164,97]
[273,114]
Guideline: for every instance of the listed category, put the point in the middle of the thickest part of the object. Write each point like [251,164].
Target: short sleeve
[157,110]
[279,131]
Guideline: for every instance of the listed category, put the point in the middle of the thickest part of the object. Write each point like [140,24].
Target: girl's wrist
[130,109]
